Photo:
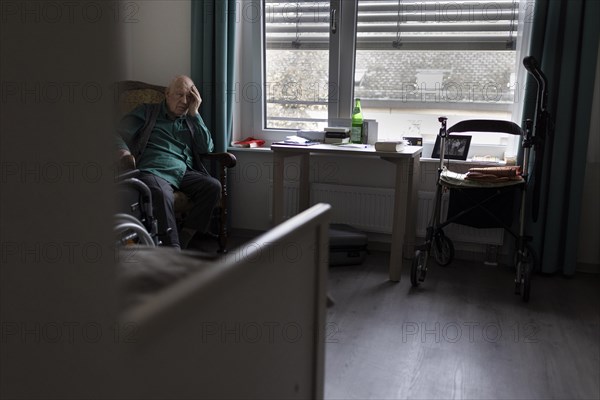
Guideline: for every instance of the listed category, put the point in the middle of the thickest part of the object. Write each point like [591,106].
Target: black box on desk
[413,140]
[347,245]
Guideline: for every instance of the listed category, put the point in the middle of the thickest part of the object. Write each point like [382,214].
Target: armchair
[130,94]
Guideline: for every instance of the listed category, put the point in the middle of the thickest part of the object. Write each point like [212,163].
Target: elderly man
[166,140]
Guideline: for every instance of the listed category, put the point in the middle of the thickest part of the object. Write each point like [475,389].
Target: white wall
[157,40]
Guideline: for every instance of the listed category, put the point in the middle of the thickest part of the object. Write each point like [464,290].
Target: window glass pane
[435,77]
[296,88]
[419,60]
[402,89]
[296,64]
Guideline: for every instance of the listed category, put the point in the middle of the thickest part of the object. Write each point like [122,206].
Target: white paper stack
[391,146]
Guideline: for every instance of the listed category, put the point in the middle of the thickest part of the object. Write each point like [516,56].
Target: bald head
[180,80]
[179,95]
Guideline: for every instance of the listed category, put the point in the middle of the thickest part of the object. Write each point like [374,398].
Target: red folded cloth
[249,142]
[495,174]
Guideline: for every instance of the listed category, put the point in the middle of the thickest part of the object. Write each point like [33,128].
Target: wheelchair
[134,222]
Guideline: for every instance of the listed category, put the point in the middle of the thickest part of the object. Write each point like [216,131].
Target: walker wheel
[418,268]
[443,249]
[524,272]
[526,281]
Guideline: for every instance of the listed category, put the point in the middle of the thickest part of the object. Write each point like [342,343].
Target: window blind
[297,24]
[398,24]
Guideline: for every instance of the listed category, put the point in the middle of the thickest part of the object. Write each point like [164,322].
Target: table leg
[411,208]
[304,184]
[403,235]
[277,195]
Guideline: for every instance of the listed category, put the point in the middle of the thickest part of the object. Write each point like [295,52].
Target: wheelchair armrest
[226,160]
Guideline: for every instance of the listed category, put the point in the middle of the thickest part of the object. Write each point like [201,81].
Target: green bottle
[356,135]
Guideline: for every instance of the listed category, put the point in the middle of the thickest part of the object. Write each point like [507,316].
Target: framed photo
[413,140]
[457,147]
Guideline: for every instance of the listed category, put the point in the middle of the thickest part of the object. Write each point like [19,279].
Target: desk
[405,193]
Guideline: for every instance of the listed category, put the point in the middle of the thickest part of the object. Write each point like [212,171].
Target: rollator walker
[487,194]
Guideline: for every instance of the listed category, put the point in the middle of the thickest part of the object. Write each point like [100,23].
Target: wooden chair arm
[221,162]
[227,160]
[123,165]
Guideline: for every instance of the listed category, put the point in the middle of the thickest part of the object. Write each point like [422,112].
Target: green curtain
[565,43]
[212,69]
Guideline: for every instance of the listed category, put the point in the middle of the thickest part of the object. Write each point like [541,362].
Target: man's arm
[201,134]
[129,125]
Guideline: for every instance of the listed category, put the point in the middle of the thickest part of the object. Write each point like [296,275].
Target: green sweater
[168,153]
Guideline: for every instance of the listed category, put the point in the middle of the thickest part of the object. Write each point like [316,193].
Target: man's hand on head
[182,97]
[195,100]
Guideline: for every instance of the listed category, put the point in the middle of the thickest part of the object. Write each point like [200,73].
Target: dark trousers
[203,190]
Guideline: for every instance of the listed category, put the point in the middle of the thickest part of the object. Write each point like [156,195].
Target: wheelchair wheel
[443,249]
[418,268]
[129,233]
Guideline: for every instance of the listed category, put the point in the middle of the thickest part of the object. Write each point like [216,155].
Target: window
[408,62]
[296,64]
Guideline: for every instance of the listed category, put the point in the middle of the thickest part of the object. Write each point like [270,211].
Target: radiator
[365,208]
[368,209]
[371,210]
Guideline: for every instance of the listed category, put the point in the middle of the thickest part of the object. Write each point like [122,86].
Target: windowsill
[267,149]
[264,148]
[499,151]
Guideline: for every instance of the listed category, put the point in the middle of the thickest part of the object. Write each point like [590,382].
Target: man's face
[178,97]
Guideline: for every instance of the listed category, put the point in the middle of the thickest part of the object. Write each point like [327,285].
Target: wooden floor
[463,334]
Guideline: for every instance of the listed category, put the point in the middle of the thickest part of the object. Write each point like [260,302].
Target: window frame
[340,105]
